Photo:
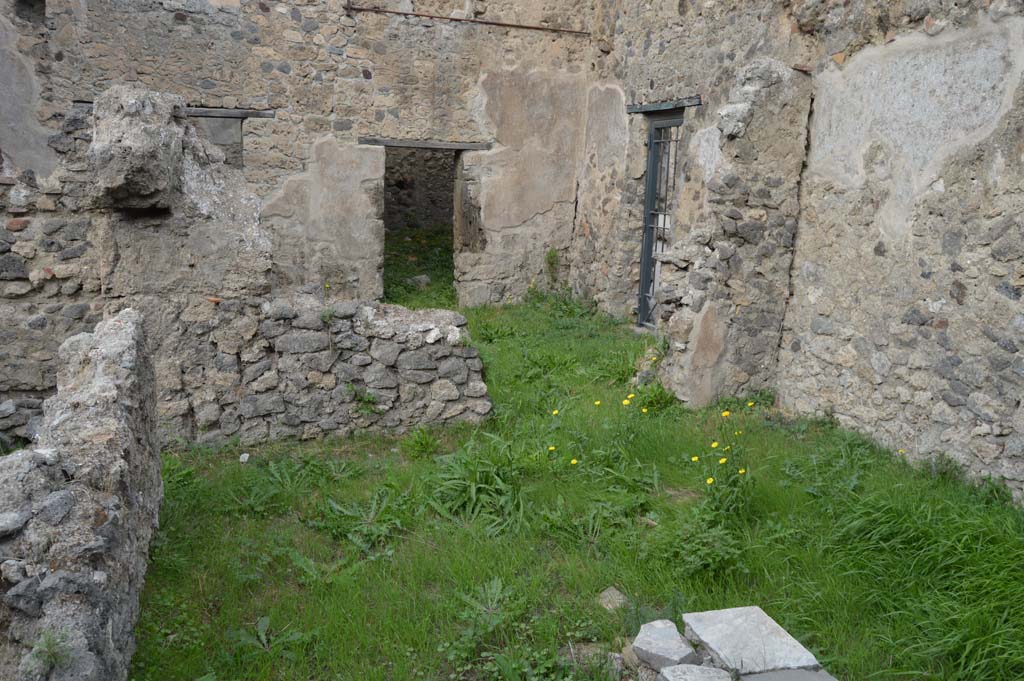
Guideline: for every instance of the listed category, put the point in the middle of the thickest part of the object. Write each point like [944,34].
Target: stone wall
[332,77]
[305,212]
[302,367]
[155,220]
[845,230]
[725,274]
[77,512]
[906,319]
[419,188]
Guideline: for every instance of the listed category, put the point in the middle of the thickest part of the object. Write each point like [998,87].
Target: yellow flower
[574,462]
[711,481]
[743,471]
[643,409]
[714,445]
[738,432]
[695,459]
[750,404]
[554,413]
[722,460]
[597,403]
[725,414]
[625,403]
[727,448]
[654,359]
[551,448]
[899,451]
[327,285]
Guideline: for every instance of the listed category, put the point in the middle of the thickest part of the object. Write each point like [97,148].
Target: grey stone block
[659,644]
[790,675]
[12,522]
[748,641]
[302,341]
[690,672]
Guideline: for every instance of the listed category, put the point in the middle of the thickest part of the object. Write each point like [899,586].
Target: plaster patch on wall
[22,138]
[328,222]
[706,149]
[607,129]
[525,187]
[528,167]
[895,113]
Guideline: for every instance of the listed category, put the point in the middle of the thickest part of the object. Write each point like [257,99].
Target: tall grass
[478,553]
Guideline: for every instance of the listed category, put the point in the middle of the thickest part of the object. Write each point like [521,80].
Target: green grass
[478,553]
[414,251]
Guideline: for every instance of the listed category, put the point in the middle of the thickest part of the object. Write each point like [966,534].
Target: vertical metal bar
[663,149]
[647,247]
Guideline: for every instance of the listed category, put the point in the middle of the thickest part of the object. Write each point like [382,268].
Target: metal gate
[663,142]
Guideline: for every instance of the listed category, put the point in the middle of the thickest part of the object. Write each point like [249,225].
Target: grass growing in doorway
[418,251]
[479,553]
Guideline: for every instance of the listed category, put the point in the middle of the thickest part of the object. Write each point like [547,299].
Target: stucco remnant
[910,261]
[327,223]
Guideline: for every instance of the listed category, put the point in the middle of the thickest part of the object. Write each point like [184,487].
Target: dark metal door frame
[663,141]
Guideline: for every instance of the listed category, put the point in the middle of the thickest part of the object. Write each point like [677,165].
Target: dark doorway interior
[419,208]
[225,133]
[32,11]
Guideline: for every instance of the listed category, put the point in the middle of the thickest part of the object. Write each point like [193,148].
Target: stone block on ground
[612,599]
[659,644]
[691,672]
[420,281]
[748,641]
[790,675]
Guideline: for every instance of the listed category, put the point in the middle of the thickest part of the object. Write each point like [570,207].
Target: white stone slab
[748,641]
[790,675]
[659,644]
[690,672]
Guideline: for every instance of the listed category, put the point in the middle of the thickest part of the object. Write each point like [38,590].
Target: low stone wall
[77,512]
[301,367]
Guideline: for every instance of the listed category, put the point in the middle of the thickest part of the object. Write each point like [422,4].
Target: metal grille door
[663,143]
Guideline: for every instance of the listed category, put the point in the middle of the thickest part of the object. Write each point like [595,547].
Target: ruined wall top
[77,512]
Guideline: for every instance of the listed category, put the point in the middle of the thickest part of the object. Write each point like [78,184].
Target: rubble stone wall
[846,229]
[302,367]
[156,221]
[77,512]
[724,276]
[304,212]
[331,77]
[907,319]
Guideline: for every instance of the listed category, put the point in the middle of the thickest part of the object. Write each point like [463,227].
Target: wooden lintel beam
[686,103]
[210,112]
[425,144]
[205,112]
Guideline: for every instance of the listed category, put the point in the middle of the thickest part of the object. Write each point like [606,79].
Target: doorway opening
[419,214]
